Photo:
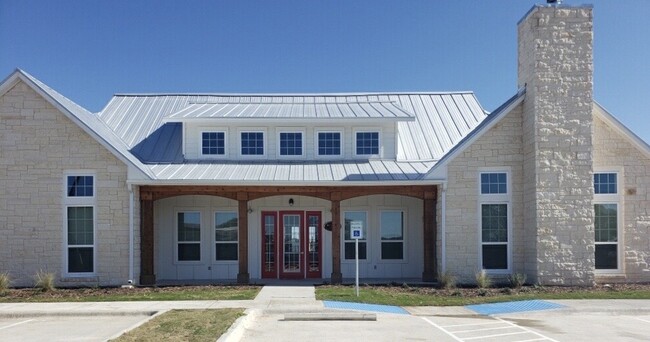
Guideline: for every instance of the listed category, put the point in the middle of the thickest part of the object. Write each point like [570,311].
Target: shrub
[517,280]
[447,281]
[5,282]
[44,281]
[483,280]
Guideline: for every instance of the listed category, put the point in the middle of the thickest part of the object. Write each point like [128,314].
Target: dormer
[290,128]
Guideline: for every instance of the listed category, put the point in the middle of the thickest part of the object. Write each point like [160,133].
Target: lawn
[428,296]
[111,294]
[184,325]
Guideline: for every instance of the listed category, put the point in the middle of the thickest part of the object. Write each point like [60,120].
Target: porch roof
[292,172]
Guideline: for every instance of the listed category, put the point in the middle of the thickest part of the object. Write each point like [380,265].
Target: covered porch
[243,196]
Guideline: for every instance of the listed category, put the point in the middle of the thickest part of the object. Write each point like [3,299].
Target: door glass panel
[269,243]
[313,262]
[291,245]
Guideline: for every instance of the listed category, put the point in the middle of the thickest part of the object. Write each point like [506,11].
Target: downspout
[130,281]
[443,229]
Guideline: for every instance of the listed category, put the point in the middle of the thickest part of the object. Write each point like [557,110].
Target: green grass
[414,296]
[184,325]
[137,294]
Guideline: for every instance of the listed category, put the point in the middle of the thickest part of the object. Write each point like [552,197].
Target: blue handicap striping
[509,307]
[365,307]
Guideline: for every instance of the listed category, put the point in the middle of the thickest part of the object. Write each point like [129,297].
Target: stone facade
[555,66]
[612,150]
[38,145]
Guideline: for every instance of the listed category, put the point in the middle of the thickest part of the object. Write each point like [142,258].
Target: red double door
[291,244]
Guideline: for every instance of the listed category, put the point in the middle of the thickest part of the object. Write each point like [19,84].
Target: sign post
[356,230]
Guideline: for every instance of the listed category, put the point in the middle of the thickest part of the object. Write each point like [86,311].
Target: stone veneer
[612,150]
[38,144]
[555,66]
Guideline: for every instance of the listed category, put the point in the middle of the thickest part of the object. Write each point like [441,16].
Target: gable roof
[87,121]
[440,121]
[613,122]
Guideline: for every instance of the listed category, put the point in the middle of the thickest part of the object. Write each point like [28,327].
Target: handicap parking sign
[356,229]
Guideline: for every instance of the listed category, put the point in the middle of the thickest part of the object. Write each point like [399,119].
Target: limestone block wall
[611,149]
[500,147]
[37,145]
[555,66]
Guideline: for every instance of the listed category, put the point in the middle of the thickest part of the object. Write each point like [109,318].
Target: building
[220,187]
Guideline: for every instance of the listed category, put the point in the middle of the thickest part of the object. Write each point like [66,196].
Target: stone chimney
[556,68]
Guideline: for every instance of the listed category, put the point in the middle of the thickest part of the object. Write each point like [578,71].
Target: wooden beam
[243,277]
[430,236]
[337,276]
[147,276]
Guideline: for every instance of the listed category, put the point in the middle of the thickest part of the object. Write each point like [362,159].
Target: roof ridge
[324,94]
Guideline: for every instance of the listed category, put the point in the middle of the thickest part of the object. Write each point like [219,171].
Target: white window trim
[264,142]
[213,236]
[225,143]
[368,130]
[367,239]
[87,201]
[176,242]
[617,199]
[332,156]
[404,259]
[303,146]
[495,199]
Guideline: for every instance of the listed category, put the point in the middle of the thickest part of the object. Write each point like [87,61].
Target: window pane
[80,259]
[606,257]
[495,257]
[605,183]
[349,250]
[226,227]
[494,183]
[189,227]
[392,225]
[226,251]
[252,143]
[367,143]
[494,222]
[291,144]
[392,250]
[329,143]
[189,252]
[213,143]
[80,226]
[606,222]
[80,186]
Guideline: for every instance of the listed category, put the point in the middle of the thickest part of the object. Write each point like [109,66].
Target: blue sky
[89,50]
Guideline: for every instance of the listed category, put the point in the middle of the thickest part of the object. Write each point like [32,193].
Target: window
[353,218]
[79,212]
[367,143]
[81,239]
[392,235]
[290,143]
[226,236]
[494,220]
[252,143]
[329,143]
[189,236]
[606,220]
[80,186]
[213,143]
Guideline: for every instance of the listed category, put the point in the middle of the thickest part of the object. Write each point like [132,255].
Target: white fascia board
[618,126]
[475,135]
[282,183]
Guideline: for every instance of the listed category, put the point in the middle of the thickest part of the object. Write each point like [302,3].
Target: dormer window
[291,143]
[329,143]
[252,143]
[213,143]
[367,143]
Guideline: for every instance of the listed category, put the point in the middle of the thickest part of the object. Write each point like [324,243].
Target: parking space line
[496,335]
[484,329]
[641,319]
[442,329]
[466,325]
[534,339]
[15,324]
[526,329]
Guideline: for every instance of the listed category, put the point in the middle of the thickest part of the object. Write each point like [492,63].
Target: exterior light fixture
[291,202]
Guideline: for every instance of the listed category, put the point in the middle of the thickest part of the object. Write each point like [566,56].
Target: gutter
[443,229]
[209,182]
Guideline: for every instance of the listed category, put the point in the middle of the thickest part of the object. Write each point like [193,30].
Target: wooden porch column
[147,277]
[243,277]
[337,276]
[430,236]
